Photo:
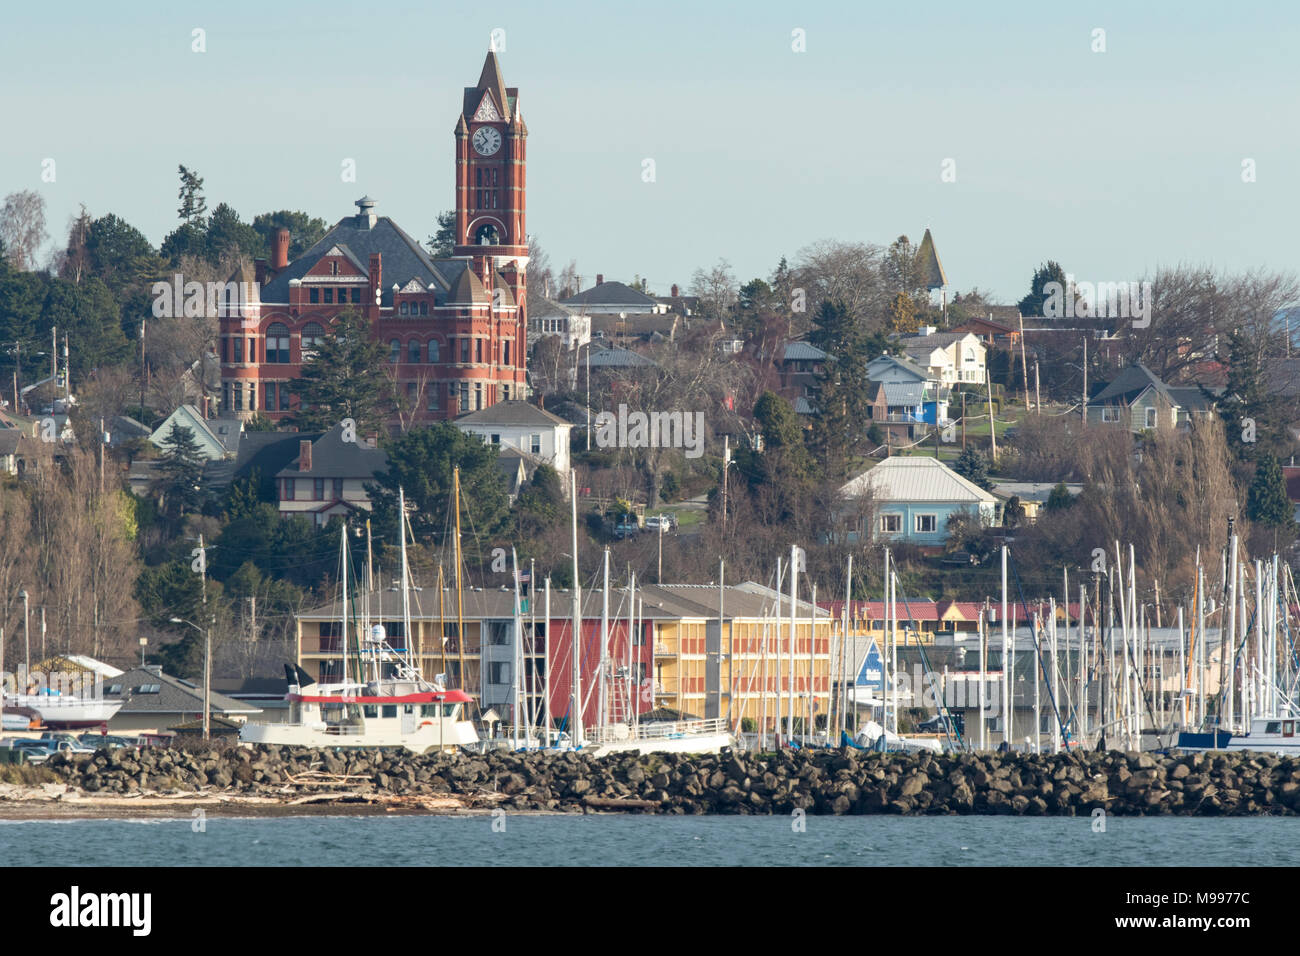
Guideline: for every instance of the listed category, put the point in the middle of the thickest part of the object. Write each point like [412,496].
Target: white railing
[657,730]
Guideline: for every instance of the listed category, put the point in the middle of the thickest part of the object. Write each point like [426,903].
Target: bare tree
[716,290]
[22,227]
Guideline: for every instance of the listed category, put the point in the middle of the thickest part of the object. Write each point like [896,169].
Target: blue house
[914,498]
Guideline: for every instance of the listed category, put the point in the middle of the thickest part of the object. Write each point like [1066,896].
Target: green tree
[346,377]
[1254,418]
[1032,304]
[182,469]
[1060,498]
[974,467]
[420,462]
[443,241]
[88,313]
[304,230]
[228,235]
[842,387]
[1267,502]
[120,254]
[193,205]
[540,505]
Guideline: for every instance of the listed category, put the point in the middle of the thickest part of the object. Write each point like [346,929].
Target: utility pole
[207,645]
[142,415]
[1085,380]
[963,421]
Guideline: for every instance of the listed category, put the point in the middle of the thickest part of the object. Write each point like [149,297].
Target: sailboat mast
[546,670]
[406,595]
[575,628]
[343,552]
[460,594]
[602,716]
[517,664]
[789,692]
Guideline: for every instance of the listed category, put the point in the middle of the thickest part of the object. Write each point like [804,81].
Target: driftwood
[613,803]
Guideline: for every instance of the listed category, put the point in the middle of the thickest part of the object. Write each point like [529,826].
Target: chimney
[600,279]
[280,260]
[674,290]
[376,277]
[304,456]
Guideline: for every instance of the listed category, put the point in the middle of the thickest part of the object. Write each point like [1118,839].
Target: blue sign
[872,671]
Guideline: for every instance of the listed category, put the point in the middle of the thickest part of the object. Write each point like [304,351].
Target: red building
[456,328]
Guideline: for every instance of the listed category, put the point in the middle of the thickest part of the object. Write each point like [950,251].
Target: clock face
[486,140]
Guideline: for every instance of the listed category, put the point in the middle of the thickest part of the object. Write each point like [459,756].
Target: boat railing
[656,730]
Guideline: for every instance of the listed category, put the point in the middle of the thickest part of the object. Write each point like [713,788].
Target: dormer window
[334,268]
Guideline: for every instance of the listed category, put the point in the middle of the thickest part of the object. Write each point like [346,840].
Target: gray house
[153,702]
[1139,400]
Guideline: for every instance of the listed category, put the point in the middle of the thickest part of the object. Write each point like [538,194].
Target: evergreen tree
[974,467]
[193,205]
[182,469]
[1032,304]
[304,230]
[345,377]
[443,241]
[420,463]
[839,422]
[1252,417]
[540,505]
[1267,502]
[1060,498]
[230,235]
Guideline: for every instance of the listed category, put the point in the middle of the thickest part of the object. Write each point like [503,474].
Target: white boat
[661,736]
[65,711]
[1268,735]
[404,711]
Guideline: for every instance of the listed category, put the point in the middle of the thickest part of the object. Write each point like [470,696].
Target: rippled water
[658,841]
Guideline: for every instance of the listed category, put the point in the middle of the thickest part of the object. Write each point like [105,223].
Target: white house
[551,318]
[949,357]
[525,427]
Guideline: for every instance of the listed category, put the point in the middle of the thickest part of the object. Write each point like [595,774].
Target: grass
[26,774]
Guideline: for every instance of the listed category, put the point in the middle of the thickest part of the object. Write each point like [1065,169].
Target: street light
[27,644]
[207,673]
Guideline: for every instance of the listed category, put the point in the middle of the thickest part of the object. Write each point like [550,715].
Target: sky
[1112,163]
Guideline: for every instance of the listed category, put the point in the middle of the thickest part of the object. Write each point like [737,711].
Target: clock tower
[491,141]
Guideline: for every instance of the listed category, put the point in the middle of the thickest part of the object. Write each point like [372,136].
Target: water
[655,841]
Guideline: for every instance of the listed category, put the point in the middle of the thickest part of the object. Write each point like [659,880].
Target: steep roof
[902,362]
[514,412]
[332,457]
[1125,387]
[802,352]
[916,479]
[401,259]
[927,261]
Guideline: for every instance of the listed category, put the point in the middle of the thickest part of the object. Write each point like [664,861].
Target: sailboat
[388,704]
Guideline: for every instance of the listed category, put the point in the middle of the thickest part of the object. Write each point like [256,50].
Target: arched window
[413,351]
[433,352]
[277,343]
[312,334]
[487,236]
[395,351]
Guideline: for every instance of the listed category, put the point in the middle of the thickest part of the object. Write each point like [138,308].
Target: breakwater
[820,782]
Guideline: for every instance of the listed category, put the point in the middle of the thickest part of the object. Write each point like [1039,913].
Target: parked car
[664,523]
[111,741]
[627,527]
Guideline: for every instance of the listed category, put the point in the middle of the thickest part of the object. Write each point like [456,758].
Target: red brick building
[456,328]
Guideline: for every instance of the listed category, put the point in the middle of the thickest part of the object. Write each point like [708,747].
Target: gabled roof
[938,340]
[609,294]
[332,457]
[901,362]
[618,358]
[904,393]
[513,412]
[1125,387]
[916,478]
[540,307]
[401,259]
[174,695]
[490,80]
[927,262]
[802,352]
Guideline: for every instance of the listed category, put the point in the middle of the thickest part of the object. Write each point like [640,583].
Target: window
[268,396]
[891,524]
[1151,417]
[505,353]
[433,351]
[318,489]
[288,490]
[1109,414]
[389,710]
[337,489]
[478,350]
[277,343]
[395,351]
[499,672]
[329,296]
[413,352]
[410,392]
[403,309]
[478,395]
[239,349]
[433,397]
[148,689]
[424,308]
[239,397]
[356,295]
[464,351]
[114,689]
[314,296]
[535,443]
[312,336]
[464,396]
[927,524]
[496,439]
[284,396]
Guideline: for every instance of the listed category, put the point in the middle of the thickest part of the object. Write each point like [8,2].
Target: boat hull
[685,744]
[451,735]
[66,713]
